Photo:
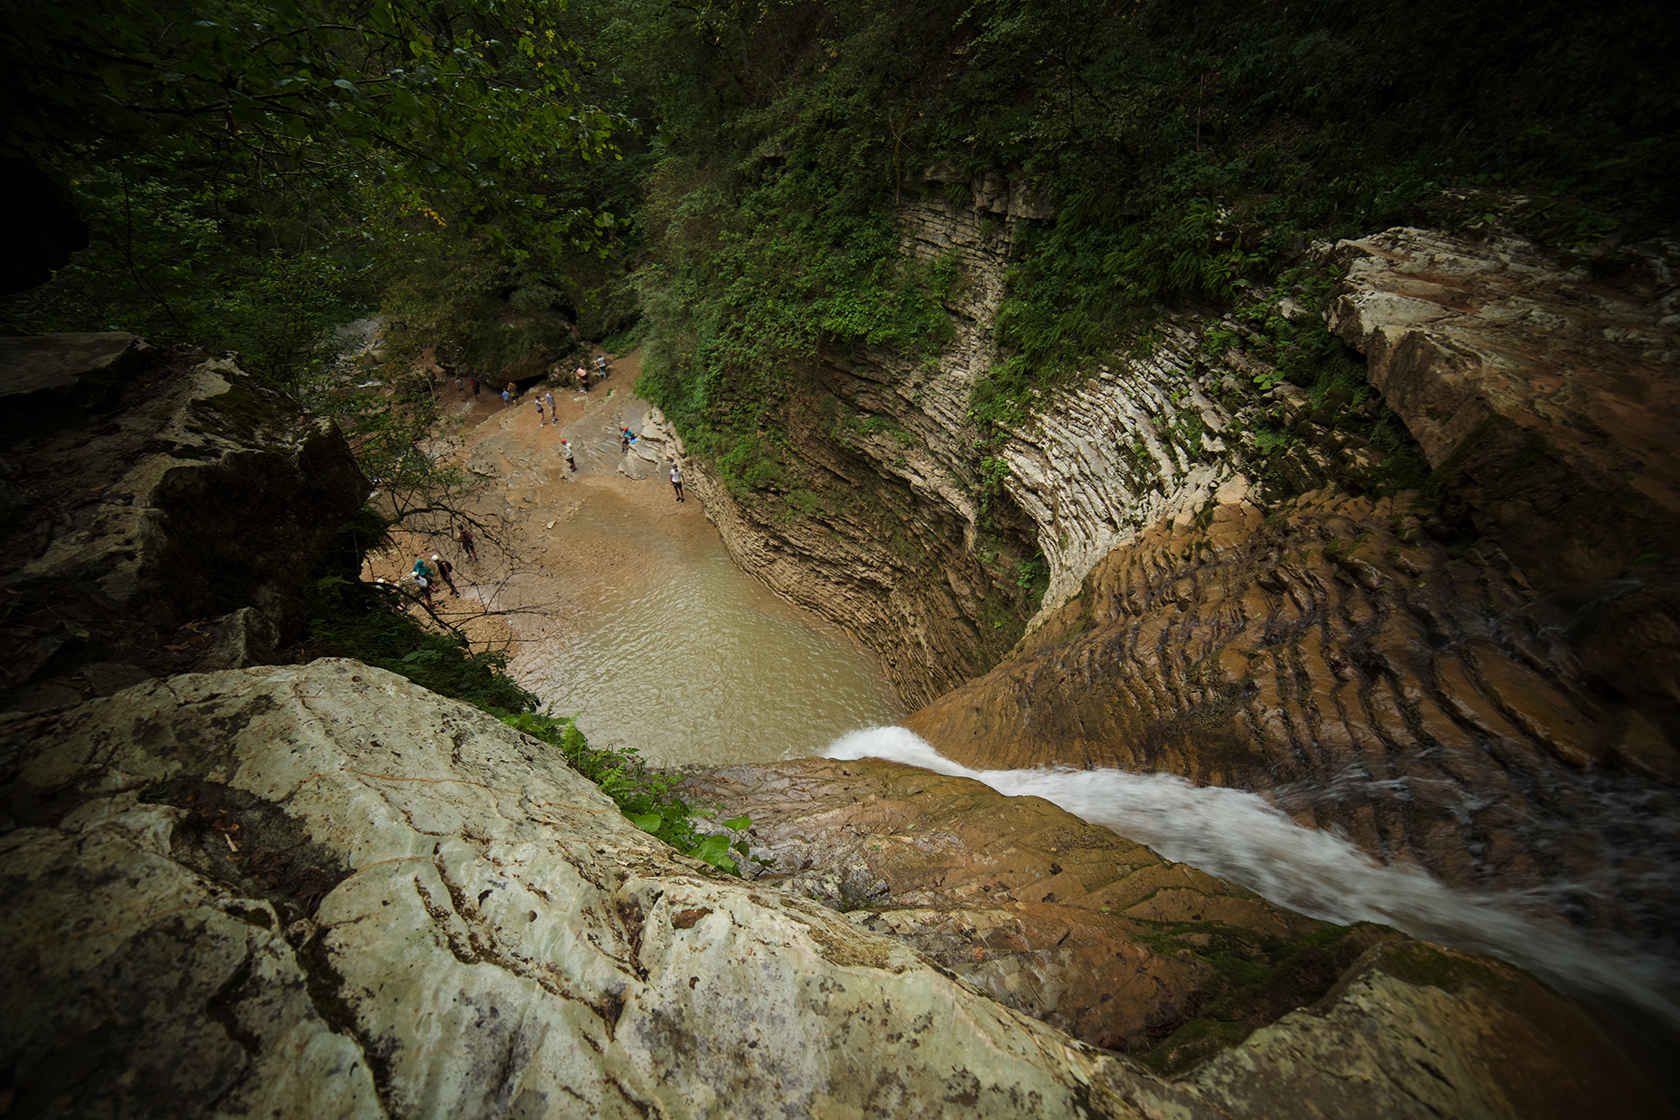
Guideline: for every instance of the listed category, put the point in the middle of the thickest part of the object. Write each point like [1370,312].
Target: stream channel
[629,612]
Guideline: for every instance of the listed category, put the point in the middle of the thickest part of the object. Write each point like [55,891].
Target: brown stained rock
[1544,397]
[1066,921]
[1410,706]
[1547,714]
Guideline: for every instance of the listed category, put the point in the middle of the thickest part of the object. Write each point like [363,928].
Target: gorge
[1243,437]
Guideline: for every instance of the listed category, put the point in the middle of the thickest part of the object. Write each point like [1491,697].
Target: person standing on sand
[676,480]
[444,568]
[553,415]
[513,391]
[472,383]
[539,412]
[504,398]
[466,538]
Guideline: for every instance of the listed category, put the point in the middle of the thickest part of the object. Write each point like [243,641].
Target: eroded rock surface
[173,529]
[1076,926]
[1547,398]
[1337,655]
[320,891]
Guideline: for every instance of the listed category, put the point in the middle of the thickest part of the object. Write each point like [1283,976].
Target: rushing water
[709,667]
[699,664]
[1239,836]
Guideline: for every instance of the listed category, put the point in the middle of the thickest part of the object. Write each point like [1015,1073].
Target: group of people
[510,395]
[439,570]
[431,570]
[545,404]
[426,574]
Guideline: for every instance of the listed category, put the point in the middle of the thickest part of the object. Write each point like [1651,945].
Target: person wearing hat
[444,567]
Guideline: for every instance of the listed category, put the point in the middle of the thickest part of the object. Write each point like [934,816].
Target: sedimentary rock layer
[1547,398]
[1374,679]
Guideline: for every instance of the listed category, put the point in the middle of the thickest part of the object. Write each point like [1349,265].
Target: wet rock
[320,890]
[1374,682]
[1064,921]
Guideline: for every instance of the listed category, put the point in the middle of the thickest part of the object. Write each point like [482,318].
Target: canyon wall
[904,537]
[1452,677]
[1448,675]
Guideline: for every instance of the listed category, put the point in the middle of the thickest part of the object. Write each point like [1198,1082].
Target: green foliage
[347,618]
[1304,353]
[425,107]
[252,174]
[649,799]
[352,619]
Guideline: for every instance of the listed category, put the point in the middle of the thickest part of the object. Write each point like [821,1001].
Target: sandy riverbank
[551,542]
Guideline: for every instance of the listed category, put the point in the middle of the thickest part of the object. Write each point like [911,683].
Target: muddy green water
[701,664]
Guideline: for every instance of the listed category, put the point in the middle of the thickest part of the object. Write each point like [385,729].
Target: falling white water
[1236,835]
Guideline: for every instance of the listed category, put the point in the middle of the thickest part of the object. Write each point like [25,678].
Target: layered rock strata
[320,891]
[1140,441]
[894,527]
[876,524]
[1370,677]
[174,529]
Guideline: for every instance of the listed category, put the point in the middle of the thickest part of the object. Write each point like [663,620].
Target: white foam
[1239,836]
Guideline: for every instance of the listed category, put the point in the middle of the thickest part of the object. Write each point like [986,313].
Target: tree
[431,108]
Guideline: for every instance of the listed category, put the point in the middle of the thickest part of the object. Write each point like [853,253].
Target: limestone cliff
[321,891]
[894,526]
[1451,677]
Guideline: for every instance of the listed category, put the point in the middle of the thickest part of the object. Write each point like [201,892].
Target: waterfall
[1241,837]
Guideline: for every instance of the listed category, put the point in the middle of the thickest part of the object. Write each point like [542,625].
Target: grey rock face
[202,495]
[321,891]
[49,380]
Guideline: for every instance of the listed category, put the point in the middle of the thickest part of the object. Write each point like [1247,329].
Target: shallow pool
[702,664]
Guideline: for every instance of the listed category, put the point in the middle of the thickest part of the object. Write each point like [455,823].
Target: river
[630,613]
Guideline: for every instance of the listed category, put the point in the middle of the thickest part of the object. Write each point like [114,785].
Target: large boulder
[1544,395]
[201,500]
[321,891]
